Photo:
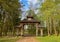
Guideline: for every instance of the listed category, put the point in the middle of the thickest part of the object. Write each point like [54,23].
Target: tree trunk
[41,31]
[55,30]
[51,25]
[48,28]
[36,29]
[0,31]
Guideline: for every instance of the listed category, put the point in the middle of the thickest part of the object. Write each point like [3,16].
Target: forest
[48,14]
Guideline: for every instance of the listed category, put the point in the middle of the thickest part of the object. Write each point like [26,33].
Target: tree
[9,12]
[50,12]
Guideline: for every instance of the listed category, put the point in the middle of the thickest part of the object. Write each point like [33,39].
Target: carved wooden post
[37,29]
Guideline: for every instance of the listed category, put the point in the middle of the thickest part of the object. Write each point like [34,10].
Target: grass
[49,39]
[9,39]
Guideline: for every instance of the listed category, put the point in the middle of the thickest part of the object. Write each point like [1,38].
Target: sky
[26,6]
[27,3]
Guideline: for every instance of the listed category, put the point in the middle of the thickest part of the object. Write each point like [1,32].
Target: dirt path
[28,39]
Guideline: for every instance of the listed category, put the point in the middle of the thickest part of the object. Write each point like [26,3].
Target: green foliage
[50,13]
[9,14]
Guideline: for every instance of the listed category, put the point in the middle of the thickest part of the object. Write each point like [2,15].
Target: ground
[31,39]
[27,39]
